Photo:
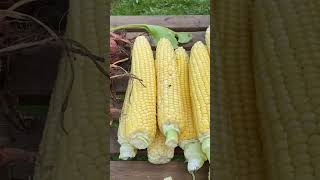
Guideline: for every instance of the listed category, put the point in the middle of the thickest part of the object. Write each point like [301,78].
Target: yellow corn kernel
[188,139]
[127,151]
[169,98]
[81,153]
[286,61]
[158,152]
[141,126]
[199,74]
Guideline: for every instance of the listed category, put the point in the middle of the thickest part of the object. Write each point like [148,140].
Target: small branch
[18,15]
[89,55]
[116,66]
[20,3]
[25,45]
[130,76]
[120,61]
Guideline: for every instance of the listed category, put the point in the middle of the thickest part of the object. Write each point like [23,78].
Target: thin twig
[120,61]
[20,3]
[82,50]
[25,45]
[68,46]
[116,66]
[130,76]
[68,91]
[61,19]
[87,54]
[15,14]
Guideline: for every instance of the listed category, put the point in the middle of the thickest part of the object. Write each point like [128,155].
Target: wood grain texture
[177,23]
[114,145]
[142,170]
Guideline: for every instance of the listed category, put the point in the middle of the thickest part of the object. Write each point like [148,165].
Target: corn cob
[168,99]
[81,154]
[188,139]
[224,166]
[199,73]
[223,148]
[234,40]
[48,146]
[286,60]
[207,38]
[158,152]
[142,123]
[126,149]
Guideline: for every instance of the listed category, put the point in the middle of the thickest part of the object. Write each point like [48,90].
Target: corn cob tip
[172,138]
[198,44]
[127,151]
[194,156]
[180,49]
[140,141]
[159,159]
[206,147]
[164,40]
[140,38]
[194,165]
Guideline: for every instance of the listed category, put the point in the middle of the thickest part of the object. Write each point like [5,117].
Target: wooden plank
[137,170]
[115,110]
[114,145]
[177,23]
[196,36]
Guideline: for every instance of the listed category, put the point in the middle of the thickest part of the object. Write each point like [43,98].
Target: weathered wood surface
[138,170]
[179,23]
[114,145]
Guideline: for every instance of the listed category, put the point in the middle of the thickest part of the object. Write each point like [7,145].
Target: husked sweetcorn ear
[188,139]
[223,142]
[234,43]
[141,125]
[168,94]
[127,151]
[81,153]
[287,61]
[158,152]
[199,79]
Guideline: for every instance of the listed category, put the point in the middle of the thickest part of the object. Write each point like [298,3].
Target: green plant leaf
[158,32]
[184,37]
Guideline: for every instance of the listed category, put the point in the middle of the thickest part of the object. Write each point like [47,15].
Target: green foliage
[158,32]
[161,7]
